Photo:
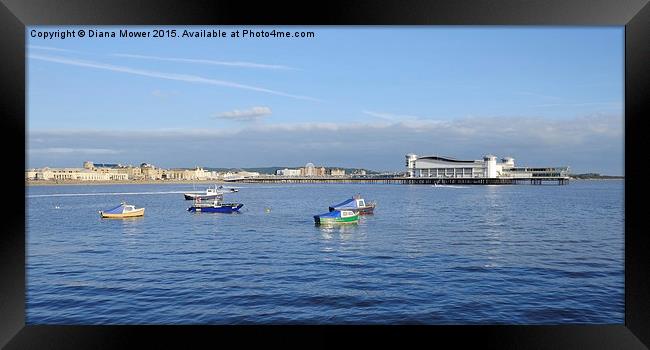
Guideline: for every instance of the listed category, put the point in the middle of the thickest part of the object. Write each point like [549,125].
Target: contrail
[161,75]
[204,61]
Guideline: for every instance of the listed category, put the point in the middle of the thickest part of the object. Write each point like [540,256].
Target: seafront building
[486,168]
[197,173]
[336,172]
[287,172]
[78,174]
[150,172]
[118,172]
[309,170]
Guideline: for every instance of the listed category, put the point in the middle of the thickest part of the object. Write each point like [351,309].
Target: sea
[474,254]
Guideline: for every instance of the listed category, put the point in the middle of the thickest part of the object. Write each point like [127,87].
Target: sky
[358,97]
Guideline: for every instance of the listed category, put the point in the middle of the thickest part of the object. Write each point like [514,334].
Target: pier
[403,180]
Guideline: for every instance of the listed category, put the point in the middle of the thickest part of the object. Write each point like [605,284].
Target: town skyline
[349,97]
[349,170]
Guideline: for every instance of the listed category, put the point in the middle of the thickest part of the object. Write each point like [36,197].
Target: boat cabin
[212,191]
[128,208]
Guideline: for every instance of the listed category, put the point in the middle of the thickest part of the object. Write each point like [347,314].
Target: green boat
[337,217]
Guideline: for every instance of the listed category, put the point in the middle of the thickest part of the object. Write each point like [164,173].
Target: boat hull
[318,220]
[191,196]
[367,210]
[223,208]
[133,214]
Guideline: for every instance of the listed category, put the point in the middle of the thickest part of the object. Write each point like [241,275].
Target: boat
[356,204]
[337,217]
[122,211]
[214,206]
[209,193]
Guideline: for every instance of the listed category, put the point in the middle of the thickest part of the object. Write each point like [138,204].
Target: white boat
[122,211]
[356,204]
[210,193]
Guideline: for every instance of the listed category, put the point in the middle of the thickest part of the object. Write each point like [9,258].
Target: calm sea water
[434,255]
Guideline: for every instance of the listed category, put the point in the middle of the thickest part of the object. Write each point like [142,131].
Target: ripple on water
[450,256]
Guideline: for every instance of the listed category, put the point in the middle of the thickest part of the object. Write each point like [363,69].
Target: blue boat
[356,204]
[215,207]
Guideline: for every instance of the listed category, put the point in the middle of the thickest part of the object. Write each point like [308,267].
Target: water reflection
[132,225]
[328,230]
[495,220]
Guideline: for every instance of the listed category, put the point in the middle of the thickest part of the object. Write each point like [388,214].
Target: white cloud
[254,113]
[531,129]
[417,123]
[64,150]
[205,61]
[589,143]
[391,116]
[162,75]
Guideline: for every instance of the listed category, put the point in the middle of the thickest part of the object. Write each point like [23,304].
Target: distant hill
[271,170]
[594,176]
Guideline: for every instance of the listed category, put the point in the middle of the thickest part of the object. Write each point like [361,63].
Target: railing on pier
[404,180]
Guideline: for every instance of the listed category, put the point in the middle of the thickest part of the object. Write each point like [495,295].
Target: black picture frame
[15,15]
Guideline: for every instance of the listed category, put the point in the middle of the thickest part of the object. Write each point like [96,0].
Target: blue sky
[351,96]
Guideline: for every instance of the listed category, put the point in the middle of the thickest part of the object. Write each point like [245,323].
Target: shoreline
[197,182]
[146,182]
